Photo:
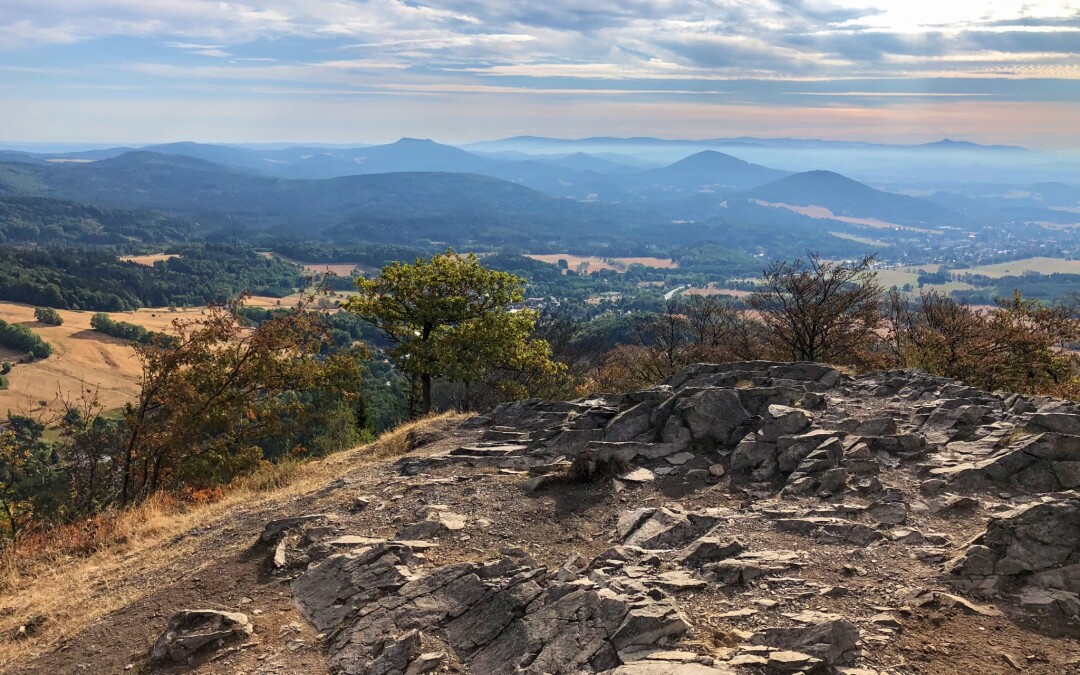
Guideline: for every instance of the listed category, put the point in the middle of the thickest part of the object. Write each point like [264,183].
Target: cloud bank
[475,65]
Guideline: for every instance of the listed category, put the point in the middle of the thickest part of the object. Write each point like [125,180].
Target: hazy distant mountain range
[497,194]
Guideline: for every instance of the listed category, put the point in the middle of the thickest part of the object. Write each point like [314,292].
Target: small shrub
[48,316]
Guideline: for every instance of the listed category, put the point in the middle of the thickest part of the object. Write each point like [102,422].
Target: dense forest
[89,279]
[39,220]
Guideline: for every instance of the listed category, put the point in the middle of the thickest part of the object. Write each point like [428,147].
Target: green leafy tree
[30,482]
[449,317]
[214,392]
[48,316]
[19,337]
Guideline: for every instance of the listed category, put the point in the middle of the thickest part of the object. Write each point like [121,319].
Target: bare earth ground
[217,563]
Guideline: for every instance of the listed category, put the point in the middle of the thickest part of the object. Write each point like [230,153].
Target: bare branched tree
[819,310]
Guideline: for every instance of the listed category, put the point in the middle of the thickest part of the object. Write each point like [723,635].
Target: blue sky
[342,71]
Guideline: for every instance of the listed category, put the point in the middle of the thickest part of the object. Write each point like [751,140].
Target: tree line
[838,313]
[20,338]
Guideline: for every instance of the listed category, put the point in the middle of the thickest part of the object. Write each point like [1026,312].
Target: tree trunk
[425,394]
[425,378]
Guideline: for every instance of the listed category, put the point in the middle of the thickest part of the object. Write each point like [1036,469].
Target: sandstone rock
[748,566]
[833,481]
[948,600]
[275,528]
[951,424]
[887,619]
[661,528]
[540,482]
[707,550]
[1062,423]
[832,640]
[876,426]
[791,662]
[1037,544]
[932,487]
[758,456]
[831,530]
[426,663]
[436,523]
[712,415]
[631,423]
[1048,462]
[783,420]
[956,504]
[888,512]
[660,668]
[196,632]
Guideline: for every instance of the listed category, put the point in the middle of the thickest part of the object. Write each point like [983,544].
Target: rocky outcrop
[871,469]
[1034,549]
[502,616]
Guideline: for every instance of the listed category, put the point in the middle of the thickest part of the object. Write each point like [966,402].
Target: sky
[345,71]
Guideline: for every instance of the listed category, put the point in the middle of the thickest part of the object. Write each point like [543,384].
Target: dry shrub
[116,528]
[47,548]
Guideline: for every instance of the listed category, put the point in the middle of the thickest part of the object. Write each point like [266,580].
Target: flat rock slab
[498,617]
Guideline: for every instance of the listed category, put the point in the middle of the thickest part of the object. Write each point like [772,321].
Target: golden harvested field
[898,276]
[712,289]
[340,269]
[866,241]
[82,358]
[588,264]
[1015,267]
[820,212]
[148,260]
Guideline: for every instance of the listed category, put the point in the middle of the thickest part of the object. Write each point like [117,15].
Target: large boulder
[782,420]
[1047,462]
[833,640]
[1037,545]
[713,416]
[662,528]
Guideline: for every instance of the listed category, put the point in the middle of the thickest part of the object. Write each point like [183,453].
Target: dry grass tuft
[412,435]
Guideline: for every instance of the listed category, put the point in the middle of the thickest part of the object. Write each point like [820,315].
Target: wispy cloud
[566,48]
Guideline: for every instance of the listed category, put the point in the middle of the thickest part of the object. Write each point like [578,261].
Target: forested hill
[68,278]
[848,197]
[40,220]
[395,208]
